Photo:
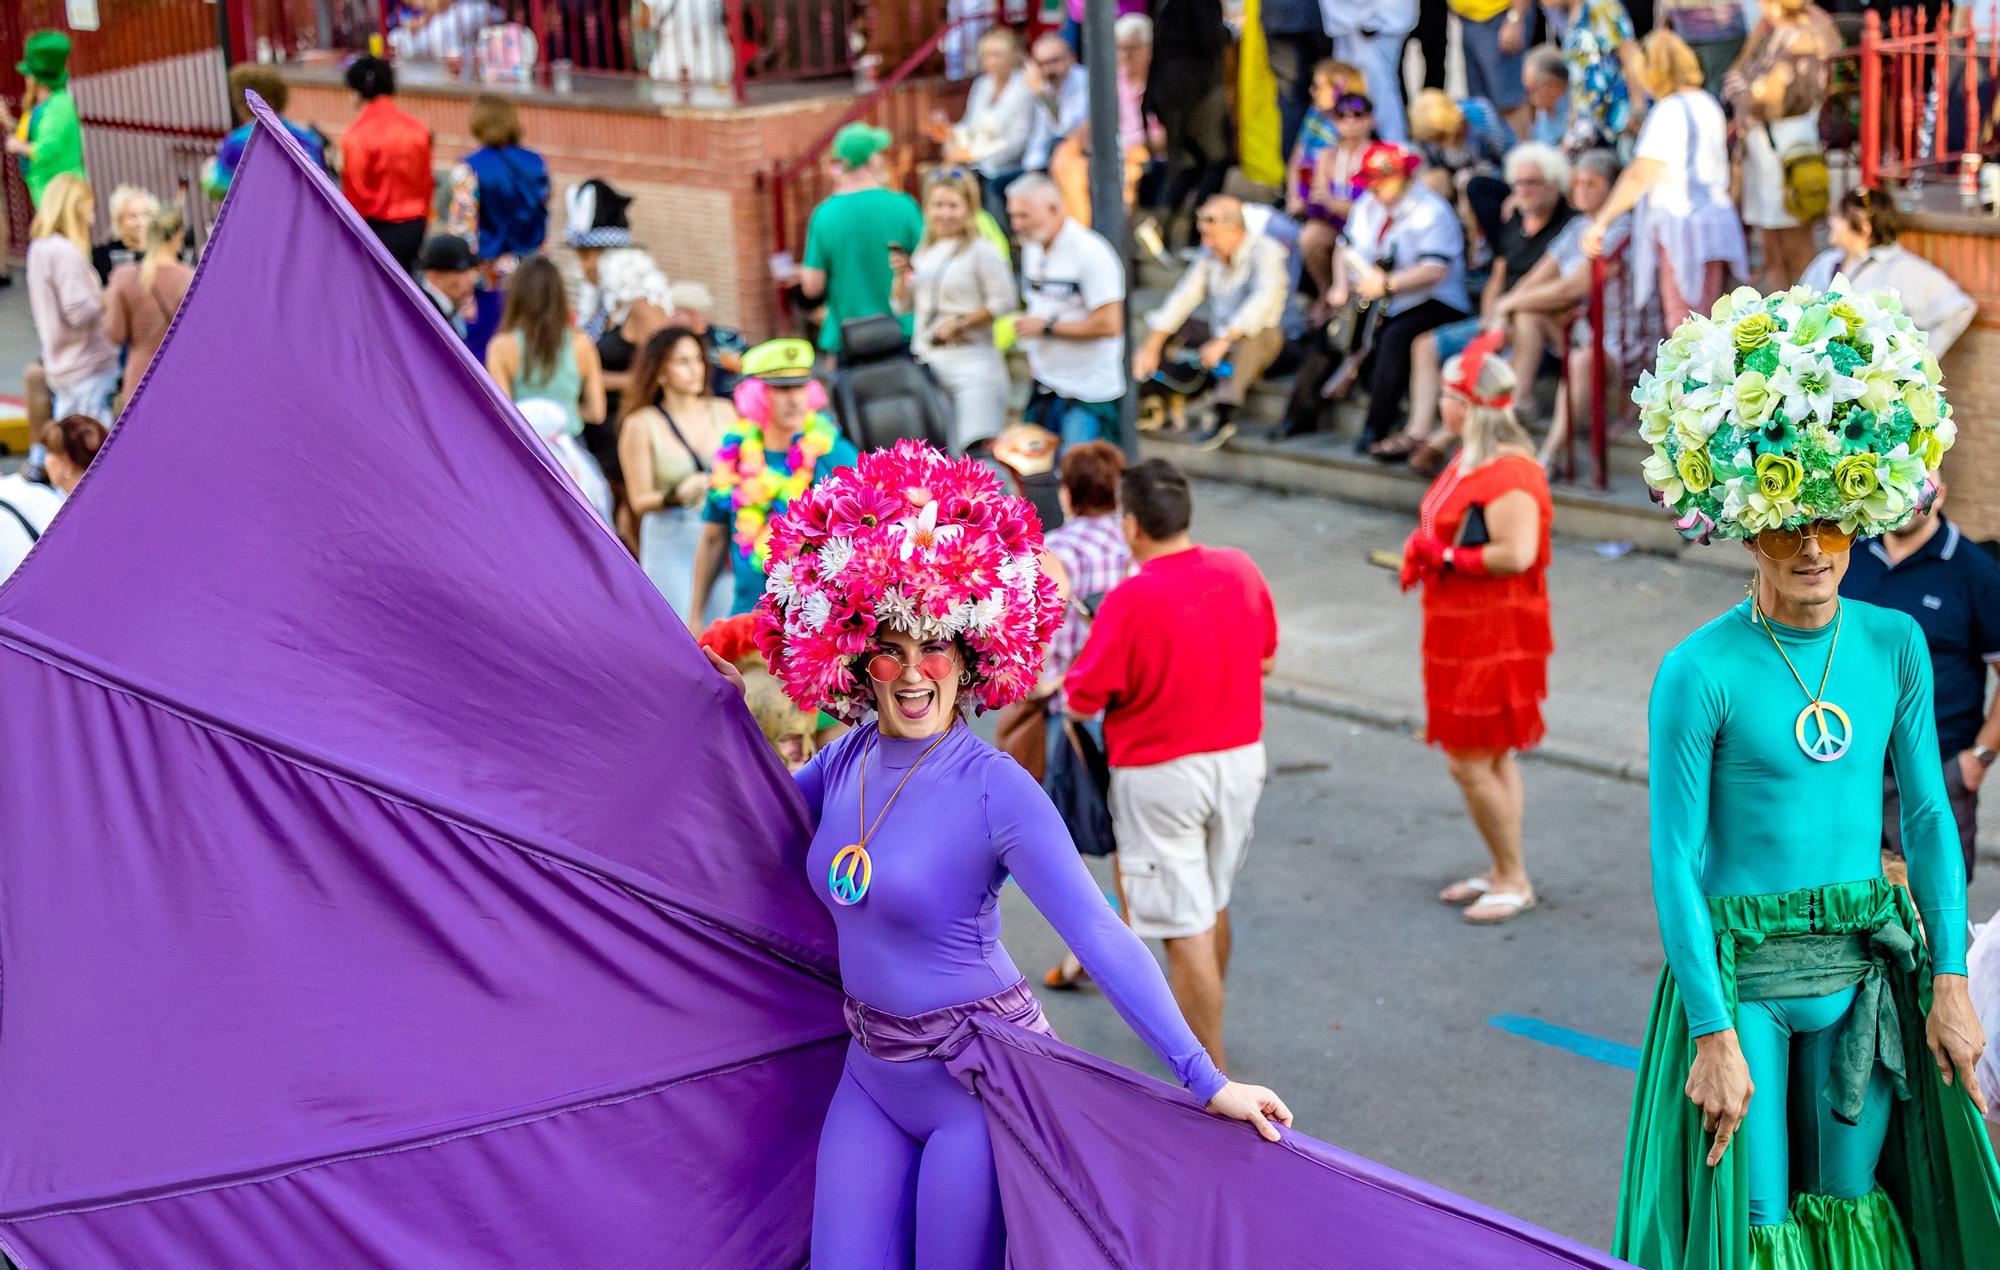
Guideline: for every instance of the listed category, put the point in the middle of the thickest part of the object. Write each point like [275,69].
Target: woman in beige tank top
[666,445]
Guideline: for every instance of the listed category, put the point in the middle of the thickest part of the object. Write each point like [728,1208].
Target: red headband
[1471,361]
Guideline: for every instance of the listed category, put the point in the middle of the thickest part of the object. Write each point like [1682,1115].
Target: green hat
[857,143]
[45,57]
[786,363]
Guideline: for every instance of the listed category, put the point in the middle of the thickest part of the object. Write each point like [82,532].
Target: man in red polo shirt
[1176,661]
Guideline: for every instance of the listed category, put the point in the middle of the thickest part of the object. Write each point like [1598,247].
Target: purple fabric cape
[388,881]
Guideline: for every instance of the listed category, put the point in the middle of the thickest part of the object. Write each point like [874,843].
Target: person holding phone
[954,286]
[848,263]
[1481,553]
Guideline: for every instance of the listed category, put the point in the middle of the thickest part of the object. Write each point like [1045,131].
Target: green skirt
[1937,1172]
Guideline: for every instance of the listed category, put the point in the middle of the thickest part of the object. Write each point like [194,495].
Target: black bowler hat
[446,253]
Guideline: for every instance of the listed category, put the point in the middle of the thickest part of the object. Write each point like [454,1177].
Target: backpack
[1807,180]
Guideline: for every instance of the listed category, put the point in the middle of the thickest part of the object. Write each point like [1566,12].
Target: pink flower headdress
[911,539]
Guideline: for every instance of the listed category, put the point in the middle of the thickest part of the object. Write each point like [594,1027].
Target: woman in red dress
[1481,553]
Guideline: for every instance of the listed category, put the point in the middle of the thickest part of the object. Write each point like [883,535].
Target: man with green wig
[1806,1097]
[47,138]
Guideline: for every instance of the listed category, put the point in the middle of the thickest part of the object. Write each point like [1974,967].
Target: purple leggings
[905,1172]
[905,1164]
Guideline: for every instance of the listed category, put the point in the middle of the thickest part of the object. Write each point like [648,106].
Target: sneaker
[1212,437]
[1147,235]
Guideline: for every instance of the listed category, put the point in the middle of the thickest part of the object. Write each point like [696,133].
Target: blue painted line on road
[1595,1048]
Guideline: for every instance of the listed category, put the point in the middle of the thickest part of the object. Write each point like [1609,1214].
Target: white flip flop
[1478,886]
[1514,902]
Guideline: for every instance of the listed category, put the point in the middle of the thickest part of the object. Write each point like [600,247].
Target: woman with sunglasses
[910,587]
[1327,188]
[956,284]
[1481,553]
[1806,1093]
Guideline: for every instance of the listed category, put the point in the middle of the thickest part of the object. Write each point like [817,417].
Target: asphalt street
[1369,1006]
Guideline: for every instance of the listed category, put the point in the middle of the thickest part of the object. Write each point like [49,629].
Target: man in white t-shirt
[1073,289]
[26,509]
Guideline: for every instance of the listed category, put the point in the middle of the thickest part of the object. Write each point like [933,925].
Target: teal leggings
[1794,1142]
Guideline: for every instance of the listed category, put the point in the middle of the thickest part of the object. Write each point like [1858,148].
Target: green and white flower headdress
[1776,411]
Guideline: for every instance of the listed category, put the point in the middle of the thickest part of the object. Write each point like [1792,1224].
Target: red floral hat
[1385,159]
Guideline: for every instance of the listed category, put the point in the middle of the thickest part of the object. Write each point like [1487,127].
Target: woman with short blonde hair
[1686,234]
[992,136]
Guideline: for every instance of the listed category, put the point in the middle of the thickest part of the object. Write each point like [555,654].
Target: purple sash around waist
[899,1039]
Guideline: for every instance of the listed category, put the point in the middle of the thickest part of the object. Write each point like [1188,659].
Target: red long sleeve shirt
[386,164]
[1176,658]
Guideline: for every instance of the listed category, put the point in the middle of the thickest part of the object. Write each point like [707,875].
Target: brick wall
[699,176]
[1970,252]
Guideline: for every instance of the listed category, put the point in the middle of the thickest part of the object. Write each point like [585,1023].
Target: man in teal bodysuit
[1787,1113]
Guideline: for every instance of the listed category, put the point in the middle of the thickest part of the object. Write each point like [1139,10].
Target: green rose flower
[1844,310]
[1754,401]
[1754,331]
[1855,477]
[1779,477]
[1695,470]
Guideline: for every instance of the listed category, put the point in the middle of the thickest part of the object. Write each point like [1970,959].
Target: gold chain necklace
[1833,730]
[847,878]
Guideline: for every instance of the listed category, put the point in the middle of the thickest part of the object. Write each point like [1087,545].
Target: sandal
[1067,976]
[1429,458]
[1463,893]
[1496,907]
[1395,447]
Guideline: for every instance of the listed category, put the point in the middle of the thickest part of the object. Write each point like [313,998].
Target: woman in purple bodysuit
[911,585]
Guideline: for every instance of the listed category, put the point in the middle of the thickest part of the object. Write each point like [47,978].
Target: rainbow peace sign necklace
[847,878]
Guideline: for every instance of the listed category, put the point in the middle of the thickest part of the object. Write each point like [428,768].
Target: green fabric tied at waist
[1795,966]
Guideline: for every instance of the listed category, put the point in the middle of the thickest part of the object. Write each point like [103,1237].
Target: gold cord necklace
[847,878]
[1833,731]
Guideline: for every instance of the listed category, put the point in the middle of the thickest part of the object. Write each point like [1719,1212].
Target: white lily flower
[923,531]
[1810,385]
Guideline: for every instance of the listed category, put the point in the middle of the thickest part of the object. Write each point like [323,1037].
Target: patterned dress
[1599,105]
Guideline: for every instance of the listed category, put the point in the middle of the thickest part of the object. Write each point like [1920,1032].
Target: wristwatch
[1985,754]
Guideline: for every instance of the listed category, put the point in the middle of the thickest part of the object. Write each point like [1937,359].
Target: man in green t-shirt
[51,142]
[850,236]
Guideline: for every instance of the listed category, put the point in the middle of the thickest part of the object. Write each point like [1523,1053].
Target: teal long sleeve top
[1738,808]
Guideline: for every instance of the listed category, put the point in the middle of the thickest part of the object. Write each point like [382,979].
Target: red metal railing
[798,184]
[1917,80]
[706,47]
[1618,324]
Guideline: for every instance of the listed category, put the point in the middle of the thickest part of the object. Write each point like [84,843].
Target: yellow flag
[1258,128]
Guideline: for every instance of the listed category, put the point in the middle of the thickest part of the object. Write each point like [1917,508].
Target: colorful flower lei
[1776,411]
[917,541]
[756,493]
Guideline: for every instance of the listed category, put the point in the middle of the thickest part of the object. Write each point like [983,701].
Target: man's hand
[1030,328]
[1719,1083]
[1955,1037]
[1145,363]
[17,146]
[1512,34]
[1336,296]
[1213,352]
[1971,770]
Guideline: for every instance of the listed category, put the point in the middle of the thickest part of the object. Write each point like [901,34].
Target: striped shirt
[1093,552]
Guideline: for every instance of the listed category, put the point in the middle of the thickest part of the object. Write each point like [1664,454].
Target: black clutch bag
[1472,530]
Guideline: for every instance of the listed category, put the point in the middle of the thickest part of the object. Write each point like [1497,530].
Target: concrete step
[1325,465]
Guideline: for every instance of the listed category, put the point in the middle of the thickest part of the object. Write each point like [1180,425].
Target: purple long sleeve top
[927,935]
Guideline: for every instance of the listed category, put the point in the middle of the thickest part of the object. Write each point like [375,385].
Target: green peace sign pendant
[1831,734]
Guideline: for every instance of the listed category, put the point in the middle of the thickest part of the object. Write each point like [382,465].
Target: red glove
[1423,558]
[1470,561]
